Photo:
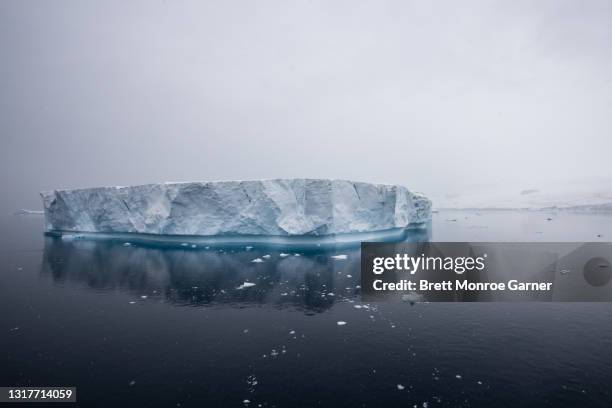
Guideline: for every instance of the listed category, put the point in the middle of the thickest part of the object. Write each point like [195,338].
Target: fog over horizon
[441,97]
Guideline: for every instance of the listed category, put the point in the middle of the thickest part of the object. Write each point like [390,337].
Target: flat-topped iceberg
[281,207]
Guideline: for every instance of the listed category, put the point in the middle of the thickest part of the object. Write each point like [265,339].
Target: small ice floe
[458,376]
[248,247]
[400,387]
[127,244]
[284,294]
[292,332]
[296,254]
[143,297]
[206,247]
[267,256]
[349,276]
[341,323]
[14,329]
[246,285]
[274,353]
[282,254]
[479,382]
[20,268]
[246,402]
[257,260]
[132,302]
[357,306]
[132,383]
[245,331]
[252,380]
[194,246]
[330,294]
[340,257]
[412,298]
[564,271]
[184,244]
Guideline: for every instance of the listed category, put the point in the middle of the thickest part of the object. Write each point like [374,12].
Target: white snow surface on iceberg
[260,207]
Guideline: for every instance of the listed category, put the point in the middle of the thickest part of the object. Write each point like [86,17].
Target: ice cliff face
[260,207]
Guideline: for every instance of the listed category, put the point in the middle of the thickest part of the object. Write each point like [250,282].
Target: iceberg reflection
[311,280]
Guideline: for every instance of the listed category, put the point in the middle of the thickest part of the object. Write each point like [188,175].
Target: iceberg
[277,208]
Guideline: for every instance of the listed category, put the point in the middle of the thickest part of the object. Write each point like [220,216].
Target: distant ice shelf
[233,210]
[595,197]
[23,211]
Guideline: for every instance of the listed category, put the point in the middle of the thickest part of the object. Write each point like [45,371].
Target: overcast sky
[437,96]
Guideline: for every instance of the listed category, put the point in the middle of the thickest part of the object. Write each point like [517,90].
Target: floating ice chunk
[23,211]
[257,260]
[400,387]
[248,247]
[282,255]
[340,257]
[267,256]
[126,244]
[412,298]
[252,380]
[279,207]
[292,332]
[246,285]
[458,376]
[341,323]
[132,383]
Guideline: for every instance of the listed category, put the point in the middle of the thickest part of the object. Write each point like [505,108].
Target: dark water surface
[136,326]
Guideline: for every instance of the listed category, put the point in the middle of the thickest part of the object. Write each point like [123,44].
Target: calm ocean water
[136,326]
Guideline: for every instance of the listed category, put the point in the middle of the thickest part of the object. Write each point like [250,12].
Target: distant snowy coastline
[576,198]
